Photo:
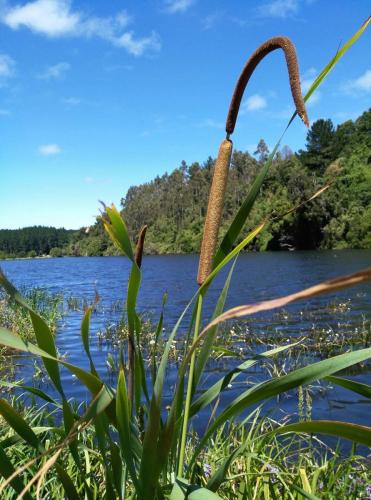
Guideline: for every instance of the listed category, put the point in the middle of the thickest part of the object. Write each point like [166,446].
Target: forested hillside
[33,241]
[173,205]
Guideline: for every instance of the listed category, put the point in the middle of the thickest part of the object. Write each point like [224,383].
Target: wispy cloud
[7,65]
[211,20]
[278,8]
[92,180]
[49,149]
[4,112]
[71,101]
[56,18]
[137,46]
[359,85]
[306,81]
[7,68]
[176,6]
[210,123]
[55,71]
[256,102]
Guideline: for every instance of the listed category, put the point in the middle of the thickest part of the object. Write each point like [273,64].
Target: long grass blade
[353,432]
[352,385]
[326,287]
[279,385]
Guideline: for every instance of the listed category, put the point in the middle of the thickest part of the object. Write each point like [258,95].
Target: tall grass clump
[124,443]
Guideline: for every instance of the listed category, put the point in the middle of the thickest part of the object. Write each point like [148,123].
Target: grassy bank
[295,467]
[17,320]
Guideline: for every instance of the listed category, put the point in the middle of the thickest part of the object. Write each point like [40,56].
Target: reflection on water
[256,277]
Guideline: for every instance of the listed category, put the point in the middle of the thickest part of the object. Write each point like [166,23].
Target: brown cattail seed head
[140,246]
[278,42]
[214,210]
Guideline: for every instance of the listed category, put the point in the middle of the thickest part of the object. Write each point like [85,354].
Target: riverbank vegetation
[18,321]
[129,442]
[296,467]
[173,205]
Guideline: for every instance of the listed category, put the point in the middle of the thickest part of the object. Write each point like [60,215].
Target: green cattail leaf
[44,337]
[132,295]
[16,438]
[118,232]
[123,413]
[252,234]
[32,390]
[69,487]
[155,450]
[85,329]
[8,339]
[19,425]
[352,385]
[7,469]
[354,432]
[182,490]
[207,346]
[215,390]
[279,385]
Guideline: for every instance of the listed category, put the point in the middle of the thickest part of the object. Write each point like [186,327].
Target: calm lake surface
[257,276]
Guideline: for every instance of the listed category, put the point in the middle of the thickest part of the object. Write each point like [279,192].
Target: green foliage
[16,319]
[32,241]
[173,205]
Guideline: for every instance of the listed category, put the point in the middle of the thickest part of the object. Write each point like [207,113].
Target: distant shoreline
[319,250]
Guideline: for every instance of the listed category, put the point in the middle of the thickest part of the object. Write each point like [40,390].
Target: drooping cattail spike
[279,42]
[214,210]
[220,177]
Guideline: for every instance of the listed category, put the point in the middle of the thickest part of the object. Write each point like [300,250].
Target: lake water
[257,276]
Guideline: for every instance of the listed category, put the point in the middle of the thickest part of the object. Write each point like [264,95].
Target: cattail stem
[220,177]
[187,405]
[131,335]
[214,210]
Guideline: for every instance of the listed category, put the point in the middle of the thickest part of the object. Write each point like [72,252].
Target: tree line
[174,205]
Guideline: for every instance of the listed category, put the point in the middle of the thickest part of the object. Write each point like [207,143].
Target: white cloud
[56,71]
[176,6]
[279,8]
[211,20]
[71,101]
[255,102]
[56,18]
[7,65]
[210,123]
[49,149]
[137,46]
[49,17]
[361,84]
[92,180]
[306,82]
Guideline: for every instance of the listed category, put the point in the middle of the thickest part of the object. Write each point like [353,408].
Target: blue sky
[96,96]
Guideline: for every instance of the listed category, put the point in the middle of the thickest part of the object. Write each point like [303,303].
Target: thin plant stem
[189,389]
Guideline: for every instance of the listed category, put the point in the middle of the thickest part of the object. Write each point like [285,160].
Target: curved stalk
[189,390]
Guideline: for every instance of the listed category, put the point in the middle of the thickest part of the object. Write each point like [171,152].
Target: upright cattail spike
[220,177]
[214,211]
